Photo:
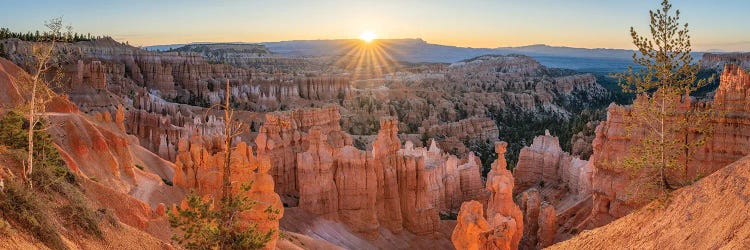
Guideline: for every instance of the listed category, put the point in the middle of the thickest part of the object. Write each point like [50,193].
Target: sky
[714,25]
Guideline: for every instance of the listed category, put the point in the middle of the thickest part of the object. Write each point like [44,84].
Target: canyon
[420,157]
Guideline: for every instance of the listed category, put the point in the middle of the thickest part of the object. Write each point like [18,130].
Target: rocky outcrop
[504,225]
[728,143]
[547,226]
[385,158]
[418,197]
[195,166]
[431,181]
[539,220]
[531,203]
[95,151]
[500,206]
[318,192]
[470,226]
[517,81]
[245,56]
[473,231]
[86,76]
[159,125]
[545,164]
[732,95]
[549,180]
[283,135]
[263,193]
[10,75]
[357,186]
[474,128]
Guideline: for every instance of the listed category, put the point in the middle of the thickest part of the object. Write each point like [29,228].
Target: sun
[368,36]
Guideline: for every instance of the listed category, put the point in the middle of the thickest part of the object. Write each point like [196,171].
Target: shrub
[29,208]
[22,206]
[5,228]
[77,214]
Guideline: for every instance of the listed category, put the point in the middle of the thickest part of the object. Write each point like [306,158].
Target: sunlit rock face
[728,143]
[9,75]
[470,225]
[318,170]
[474,232]
[504,224]
[357,186]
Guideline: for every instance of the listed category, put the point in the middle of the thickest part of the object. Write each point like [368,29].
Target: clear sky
[716,24]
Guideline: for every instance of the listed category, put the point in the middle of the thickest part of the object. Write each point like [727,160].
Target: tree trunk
[226,193]
[662,142]
[29,167]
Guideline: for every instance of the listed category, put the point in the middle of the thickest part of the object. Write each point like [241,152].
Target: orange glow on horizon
[368,59]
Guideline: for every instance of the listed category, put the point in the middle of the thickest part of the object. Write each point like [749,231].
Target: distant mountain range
[417,50]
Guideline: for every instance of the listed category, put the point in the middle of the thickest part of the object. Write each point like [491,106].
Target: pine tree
[669,123]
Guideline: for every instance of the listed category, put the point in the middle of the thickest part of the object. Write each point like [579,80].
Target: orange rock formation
[198,170]
[504,225]
[397,188]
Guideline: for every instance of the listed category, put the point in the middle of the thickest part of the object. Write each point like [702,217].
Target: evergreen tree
[663,115]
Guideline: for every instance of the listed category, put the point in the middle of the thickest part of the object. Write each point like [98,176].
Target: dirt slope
[713,213]
[120,237]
